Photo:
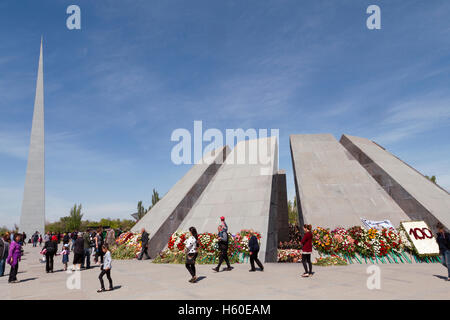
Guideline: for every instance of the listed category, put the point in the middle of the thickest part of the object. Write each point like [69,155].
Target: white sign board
[384,224]
[421,237]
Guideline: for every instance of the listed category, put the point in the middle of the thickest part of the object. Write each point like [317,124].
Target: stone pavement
[145,280]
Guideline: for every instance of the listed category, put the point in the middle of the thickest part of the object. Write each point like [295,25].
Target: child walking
[65,255]
[106,269]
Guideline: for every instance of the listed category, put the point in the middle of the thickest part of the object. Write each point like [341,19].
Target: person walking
[191,253]
[14,257]
[78,252]
[253,246]
[98,246]
[307,251]
[223,247]
[144,245]
[23,239]
[223,224]
[34,238]
[66,238]
[46,237]
[74,237]
[40,240]
[4,252]
[110,237]
[443,240]
[87,250]
[51,248]
[65,255]
[106,269]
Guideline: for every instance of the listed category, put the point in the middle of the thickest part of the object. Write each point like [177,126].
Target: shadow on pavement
[28,279]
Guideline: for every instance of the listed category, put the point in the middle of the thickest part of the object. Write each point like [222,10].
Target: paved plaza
[145,280]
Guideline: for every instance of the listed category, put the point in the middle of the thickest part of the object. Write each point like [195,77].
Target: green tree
[432,179]
[292,211]
[155,197]
[140,211]
[73,221]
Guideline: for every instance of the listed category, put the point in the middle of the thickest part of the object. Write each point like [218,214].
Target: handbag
[190,258]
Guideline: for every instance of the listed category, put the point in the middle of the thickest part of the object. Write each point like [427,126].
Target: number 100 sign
[421,237]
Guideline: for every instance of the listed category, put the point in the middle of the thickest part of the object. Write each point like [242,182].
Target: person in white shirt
[106,269]
[191,253]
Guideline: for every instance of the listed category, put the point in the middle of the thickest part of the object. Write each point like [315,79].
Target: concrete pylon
[419,198]
[247,190]
[168,213]
[33,205]
[333,189]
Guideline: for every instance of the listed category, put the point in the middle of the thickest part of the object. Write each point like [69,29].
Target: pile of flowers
[289,255]
[343,242]
[358,240]
[128,246]
[363,241]
[177,241]
[330,261]
[392,240]
[242,239]
[208,247]
[405,242]
[322,240]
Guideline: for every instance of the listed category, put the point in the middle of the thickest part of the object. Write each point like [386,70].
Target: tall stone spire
[33,204]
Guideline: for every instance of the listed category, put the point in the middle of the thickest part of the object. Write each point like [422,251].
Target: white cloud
[413,117]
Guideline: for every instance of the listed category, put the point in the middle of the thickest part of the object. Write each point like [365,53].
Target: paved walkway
[145,280]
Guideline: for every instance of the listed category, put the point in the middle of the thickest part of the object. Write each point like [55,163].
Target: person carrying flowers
[223,247]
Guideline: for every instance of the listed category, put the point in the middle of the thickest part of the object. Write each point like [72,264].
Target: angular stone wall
[245,193]
[168,213]
[419,198]
[333,189]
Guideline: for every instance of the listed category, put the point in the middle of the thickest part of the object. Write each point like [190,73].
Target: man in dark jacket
[443,240]
[144,243]
[51,248]
[4,251]
[66,238]
[223,247]
[87,250]
[78,251]
[253,247]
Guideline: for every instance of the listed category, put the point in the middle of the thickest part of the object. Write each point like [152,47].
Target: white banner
[421,237]
[384,224]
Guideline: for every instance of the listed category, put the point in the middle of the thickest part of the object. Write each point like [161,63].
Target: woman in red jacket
[307,250]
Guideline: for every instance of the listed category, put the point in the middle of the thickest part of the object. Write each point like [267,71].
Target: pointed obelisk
[33,205]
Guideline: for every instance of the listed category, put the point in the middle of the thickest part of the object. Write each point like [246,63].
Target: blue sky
[139,69]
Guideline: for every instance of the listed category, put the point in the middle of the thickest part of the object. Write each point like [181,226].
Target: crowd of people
[83,245]
[96,243]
